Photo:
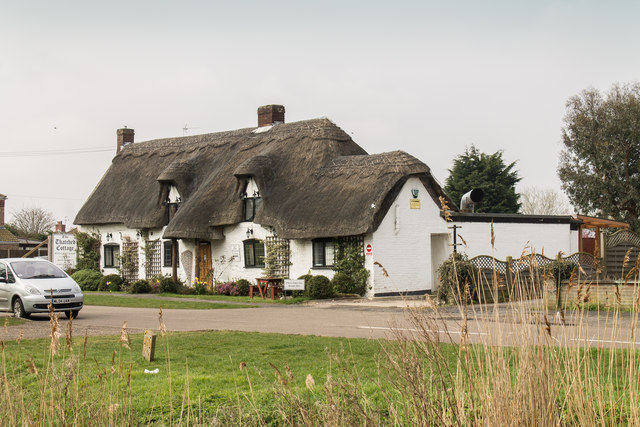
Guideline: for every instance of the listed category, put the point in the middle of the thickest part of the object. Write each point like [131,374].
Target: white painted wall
[514,239]
[232,249]
[234,267]
[119,232]
[302,260]
[402,243]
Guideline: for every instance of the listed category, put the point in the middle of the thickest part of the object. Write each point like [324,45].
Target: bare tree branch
[543,201]
[32,221]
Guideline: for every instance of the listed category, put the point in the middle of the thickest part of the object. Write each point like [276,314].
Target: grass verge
[11,321]
[288,300]
[123,300]
[218,370]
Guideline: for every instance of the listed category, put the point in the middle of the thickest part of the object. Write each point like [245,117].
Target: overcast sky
[426,77]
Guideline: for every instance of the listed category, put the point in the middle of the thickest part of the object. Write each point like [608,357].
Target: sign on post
[149,346]
[294,285]
[368,250]
[63,250]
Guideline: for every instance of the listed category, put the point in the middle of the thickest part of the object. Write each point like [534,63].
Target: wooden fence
[524,278]
[19,253]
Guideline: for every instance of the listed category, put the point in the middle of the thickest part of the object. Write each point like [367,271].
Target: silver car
[29,285]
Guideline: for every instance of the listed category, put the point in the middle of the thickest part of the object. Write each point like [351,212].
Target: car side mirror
[3,280]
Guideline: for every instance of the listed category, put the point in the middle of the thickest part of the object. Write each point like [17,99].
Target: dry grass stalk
[84,344]
[31,366]
[493,236]
[310,382]
[446,210]
[125,341]
[384,270]
[162,328]
[279,375]
[55,331]
[69,334]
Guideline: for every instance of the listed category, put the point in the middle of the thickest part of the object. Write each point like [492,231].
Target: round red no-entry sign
[369,250]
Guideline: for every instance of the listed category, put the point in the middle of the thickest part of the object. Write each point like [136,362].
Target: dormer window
[173,201]
[174,196]
[252,200]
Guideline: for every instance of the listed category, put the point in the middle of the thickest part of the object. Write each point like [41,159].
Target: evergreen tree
[474,169]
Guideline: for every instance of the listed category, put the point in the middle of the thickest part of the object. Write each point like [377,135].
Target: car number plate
[61,300]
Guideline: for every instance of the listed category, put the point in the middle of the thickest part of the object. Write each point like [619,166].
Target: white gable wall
[402,243]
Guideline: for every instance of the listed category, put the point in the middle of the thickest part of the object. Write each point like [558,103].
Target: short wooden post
[149,346]
[509,272]
[558,283]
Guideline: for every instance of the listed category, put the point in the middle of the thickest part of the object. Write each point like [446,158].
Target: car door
[4,288]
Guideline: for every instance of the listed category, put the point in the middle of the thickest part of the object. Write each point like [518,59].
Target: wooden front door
[205,265]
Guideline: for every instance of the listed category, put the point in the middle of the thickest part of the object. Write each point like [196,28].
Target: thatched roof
[313,179]
[6,236]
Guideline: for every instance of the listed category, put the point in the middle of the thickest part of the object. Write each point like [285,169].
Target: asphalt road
[309,319]
[506,324]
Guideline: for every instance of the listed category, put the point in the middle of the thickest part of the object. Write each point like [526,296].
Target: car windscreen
[36,270]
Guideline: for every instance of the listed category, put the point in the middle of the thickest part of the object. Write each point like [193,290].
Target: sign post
[63,249]
[293,285]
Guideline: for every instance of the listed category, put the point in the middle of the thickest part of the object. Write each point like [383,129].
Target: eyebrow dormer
[251,199]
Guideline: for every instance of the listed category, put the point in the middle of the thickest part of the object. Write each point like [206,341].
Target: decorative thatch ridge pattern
[313,179]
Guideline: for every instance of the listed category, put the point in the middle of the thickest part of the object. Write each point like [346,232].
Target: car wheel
[18,309]
[72,314]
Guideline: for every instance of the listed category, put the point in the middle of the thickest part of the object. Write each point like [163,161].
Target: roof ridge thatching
[315,181]
[191,143]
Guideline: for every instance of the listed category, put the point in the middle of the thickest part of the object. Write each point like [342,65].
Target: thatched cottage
[204,206]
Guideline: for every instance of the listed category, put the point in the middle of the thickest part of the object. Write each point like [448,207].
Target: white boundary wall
[515,239]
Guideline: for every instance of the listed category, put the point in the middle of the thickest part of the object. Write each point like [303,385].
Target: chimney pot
[2,199]
[60,227]
[270,115]
[125,137]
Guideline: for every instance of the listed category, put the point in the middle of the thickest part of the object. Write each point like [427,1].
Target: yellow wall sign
[414,203]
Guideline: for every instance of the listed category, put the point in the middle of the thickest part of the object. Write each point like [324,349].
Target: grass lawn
[11,321]
[238,378]
[120,300]
[207,364]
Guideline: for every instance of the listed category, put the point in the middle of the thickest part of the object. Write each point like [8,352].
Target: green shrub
[319,287]
[306,278]
[166,284]
[89,280]
[349,267]
[561,270]
[243,287]
[141,287]
[88,255]
[111,282]
[341,283]
[186,290]
[351,284]
[457,279]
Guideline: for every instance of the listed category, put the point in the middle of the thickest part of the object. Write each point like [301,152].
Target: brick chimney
[60,227]
[2,199]
[125,137]
[270,115]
